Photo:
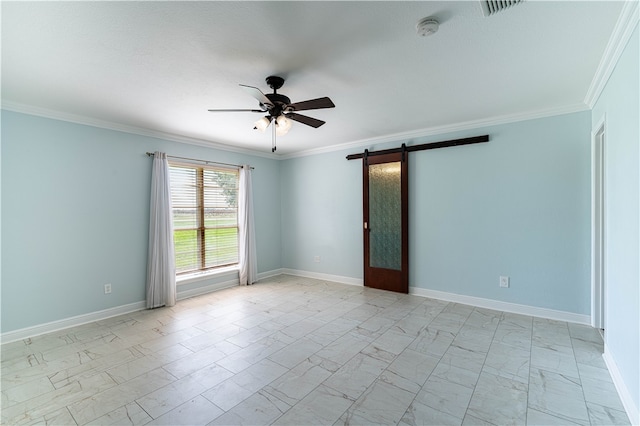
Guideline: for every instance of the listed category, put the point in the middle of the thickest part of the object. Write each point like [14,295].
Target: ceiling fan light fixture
[262,124]
[283,125]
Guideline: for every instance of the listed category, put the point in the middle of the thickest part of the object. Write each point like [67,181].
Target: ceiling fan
[280,110]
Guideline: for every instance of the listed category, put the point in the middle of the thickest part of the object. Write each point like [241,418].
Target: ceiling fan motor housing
[279,103]
[274,82]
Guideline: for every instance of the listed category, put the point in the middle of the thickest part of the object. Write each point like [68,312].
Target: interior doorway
[386,224]
[598,229]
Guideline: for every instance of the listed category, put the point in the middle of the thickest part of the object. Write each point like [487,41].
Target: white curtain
[247,255]
[161,270]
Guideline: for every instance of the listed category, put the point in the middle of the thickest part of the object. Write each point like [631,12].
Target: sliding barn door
[386,225]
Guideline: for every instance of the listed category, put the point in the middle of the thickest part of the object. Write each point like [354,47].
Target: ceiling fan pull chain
[273,137]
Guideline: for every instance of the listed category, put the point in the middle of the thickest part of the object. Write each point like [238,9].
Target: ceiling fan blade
[237,110]
[257,93]
[312,104]
[309,121]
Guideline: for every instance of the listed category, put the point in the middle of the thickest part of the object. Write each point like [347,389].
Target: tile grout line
[584,396]
[395,357]
[360,352]
[427,379]
[308,358]
[526,415]
[483,364]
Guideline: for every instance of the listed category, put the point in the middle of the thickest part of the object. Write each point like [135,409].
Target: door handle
[366,226]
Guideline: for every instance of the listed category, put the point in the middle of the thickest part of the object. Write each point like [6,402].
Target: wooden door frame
[381,274]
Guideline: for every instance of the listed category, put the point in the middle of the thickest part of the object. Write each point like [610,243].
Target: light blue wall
[75,206]
[620,103]
[517,206]
[322,214]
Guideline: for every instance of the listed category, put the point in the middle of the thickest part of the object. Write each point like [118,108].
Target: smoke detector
[427,26]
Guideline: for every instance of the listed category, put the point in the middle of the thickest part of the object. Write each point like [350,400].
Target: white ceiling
[161,65]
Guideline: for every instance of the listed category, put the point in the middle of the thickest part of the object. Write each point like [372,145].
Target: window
[204,201]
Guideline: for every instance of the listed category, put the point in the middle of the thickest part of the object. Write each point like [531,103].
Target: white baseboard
[627,401]
[326,277]
[457,298]
[24,333]
[269,274]
[502,306]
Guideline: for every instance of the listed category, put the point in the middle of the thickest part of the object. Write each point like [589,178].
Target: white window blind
[204,201]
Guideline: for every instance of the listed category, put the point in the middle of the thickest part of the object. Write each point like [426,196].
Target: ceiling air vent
[491,7]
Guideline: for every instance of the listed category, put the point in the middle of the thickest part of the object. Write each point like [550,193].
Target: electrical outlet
[107,288]
[504,282]
[316,259]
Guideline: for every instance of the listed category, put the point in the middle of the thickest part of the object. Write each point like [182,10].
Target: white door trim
[598,229]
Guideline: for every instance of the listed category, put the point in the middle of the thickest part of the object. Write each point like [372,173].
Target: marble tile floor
[299,351]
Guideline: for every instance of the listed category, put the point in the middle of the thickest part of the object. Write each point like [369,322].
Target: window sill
[200,276]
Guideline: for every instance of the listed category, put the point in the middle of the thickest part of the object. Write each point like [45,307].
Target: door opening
[386,225]
[598,229]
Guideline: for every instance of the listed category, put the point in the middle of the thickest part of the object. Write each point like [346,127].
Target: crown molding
[627,22]
[439,130]
[87,121]
[414,134]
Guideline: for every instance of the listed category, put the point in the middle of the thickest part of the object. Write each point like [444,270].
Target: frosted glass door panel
[385,216]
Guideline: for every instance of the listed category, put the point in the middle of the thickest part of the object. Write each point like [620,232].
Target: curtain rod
[150,154]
